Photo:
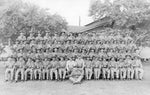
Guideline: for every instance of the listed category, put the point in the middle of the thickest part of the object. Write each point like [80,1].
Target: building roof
[90,26]
[98,23]
[75,29]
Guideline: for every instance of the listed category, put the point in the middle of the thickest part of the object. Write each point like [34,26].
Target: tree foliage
[130,14]
[22,17]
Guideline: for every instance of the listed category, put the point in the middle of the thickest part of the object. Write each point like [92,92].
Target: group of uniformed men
[54,57]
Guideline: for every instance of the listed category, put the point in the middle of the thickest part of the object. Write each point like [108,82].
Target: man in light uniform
[80,62]
[39,38]
[130,71]
[105,69]
[97,68]
[29,68]
[77,73]
[21,68]
[70,64]
[122,68]
[30,37]
[113,67]
[45,69]
[88,69]
[138,68]
[21,37]
[62,70]
[37,70]
[54,68]
[9,65]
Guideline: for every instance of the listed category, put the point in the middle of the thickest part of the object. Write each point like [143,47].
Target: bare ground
[98,87]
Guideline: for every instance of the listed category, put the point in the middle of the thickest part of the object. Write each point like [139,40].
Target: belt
[96,67]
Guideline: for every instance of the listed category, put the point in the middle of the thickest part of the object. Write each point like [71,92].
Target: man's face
[31,35]
[39,35]
[29,59]
[46,34]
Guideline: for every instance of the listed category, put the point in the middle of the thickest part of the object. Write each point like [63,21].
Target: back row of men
[82,39]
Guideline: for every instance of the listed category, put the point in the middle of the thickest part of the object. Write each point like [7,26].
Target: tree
[125,14]
[22,17]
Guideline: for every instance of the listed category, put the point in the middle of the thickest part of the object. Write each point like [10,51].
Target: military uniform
[21,38]
[70,65]
[130,70]
[88,69]
[29,68]
[37,70]
[62,70]
[9,68]
[122,69]
[20,69]
[45,69]
[54,68]
[97,69]
[138,69]
[105,69]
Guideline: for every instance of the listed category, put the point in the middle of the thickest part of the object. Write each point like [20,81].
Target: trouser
[114,73]
[30,71]
[130,73]
[37,71]
[139,73]
[106,73]
[19,70]
[88,73]
[112,70]
[53,71]
[97,73]
[62,73]
[122,73]
[45,71]
[11,71]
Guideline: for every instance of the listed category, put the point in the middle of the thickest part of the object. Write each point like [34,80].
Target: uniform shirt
[15,47]
[46,37]
[31,37]
[116,64]
[54,64]
[10,63]
[39,46]
[30,63]
[104,64]
[138,63]
[38,64]
[62,64]
[70,64]
[121,64]
[80,63]
[112,64]
[49,65]
[21,38]
[32,55]
[20,63]
[97,64]
[128,62]
[45,63]
[39,38]
[88,64]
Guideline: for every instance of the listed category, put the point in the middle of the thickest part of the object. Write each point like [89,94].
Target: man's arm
[67,66]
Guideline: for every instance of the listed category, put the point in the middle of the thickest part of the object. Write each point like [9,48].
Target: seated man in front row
[10,68]
[77,72]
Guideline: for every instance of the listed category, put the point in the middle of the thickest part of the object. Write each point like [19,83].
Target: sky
[69,9]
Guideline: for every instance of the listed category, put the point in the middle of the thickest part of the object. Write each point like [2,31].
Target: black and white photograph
[74,47]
